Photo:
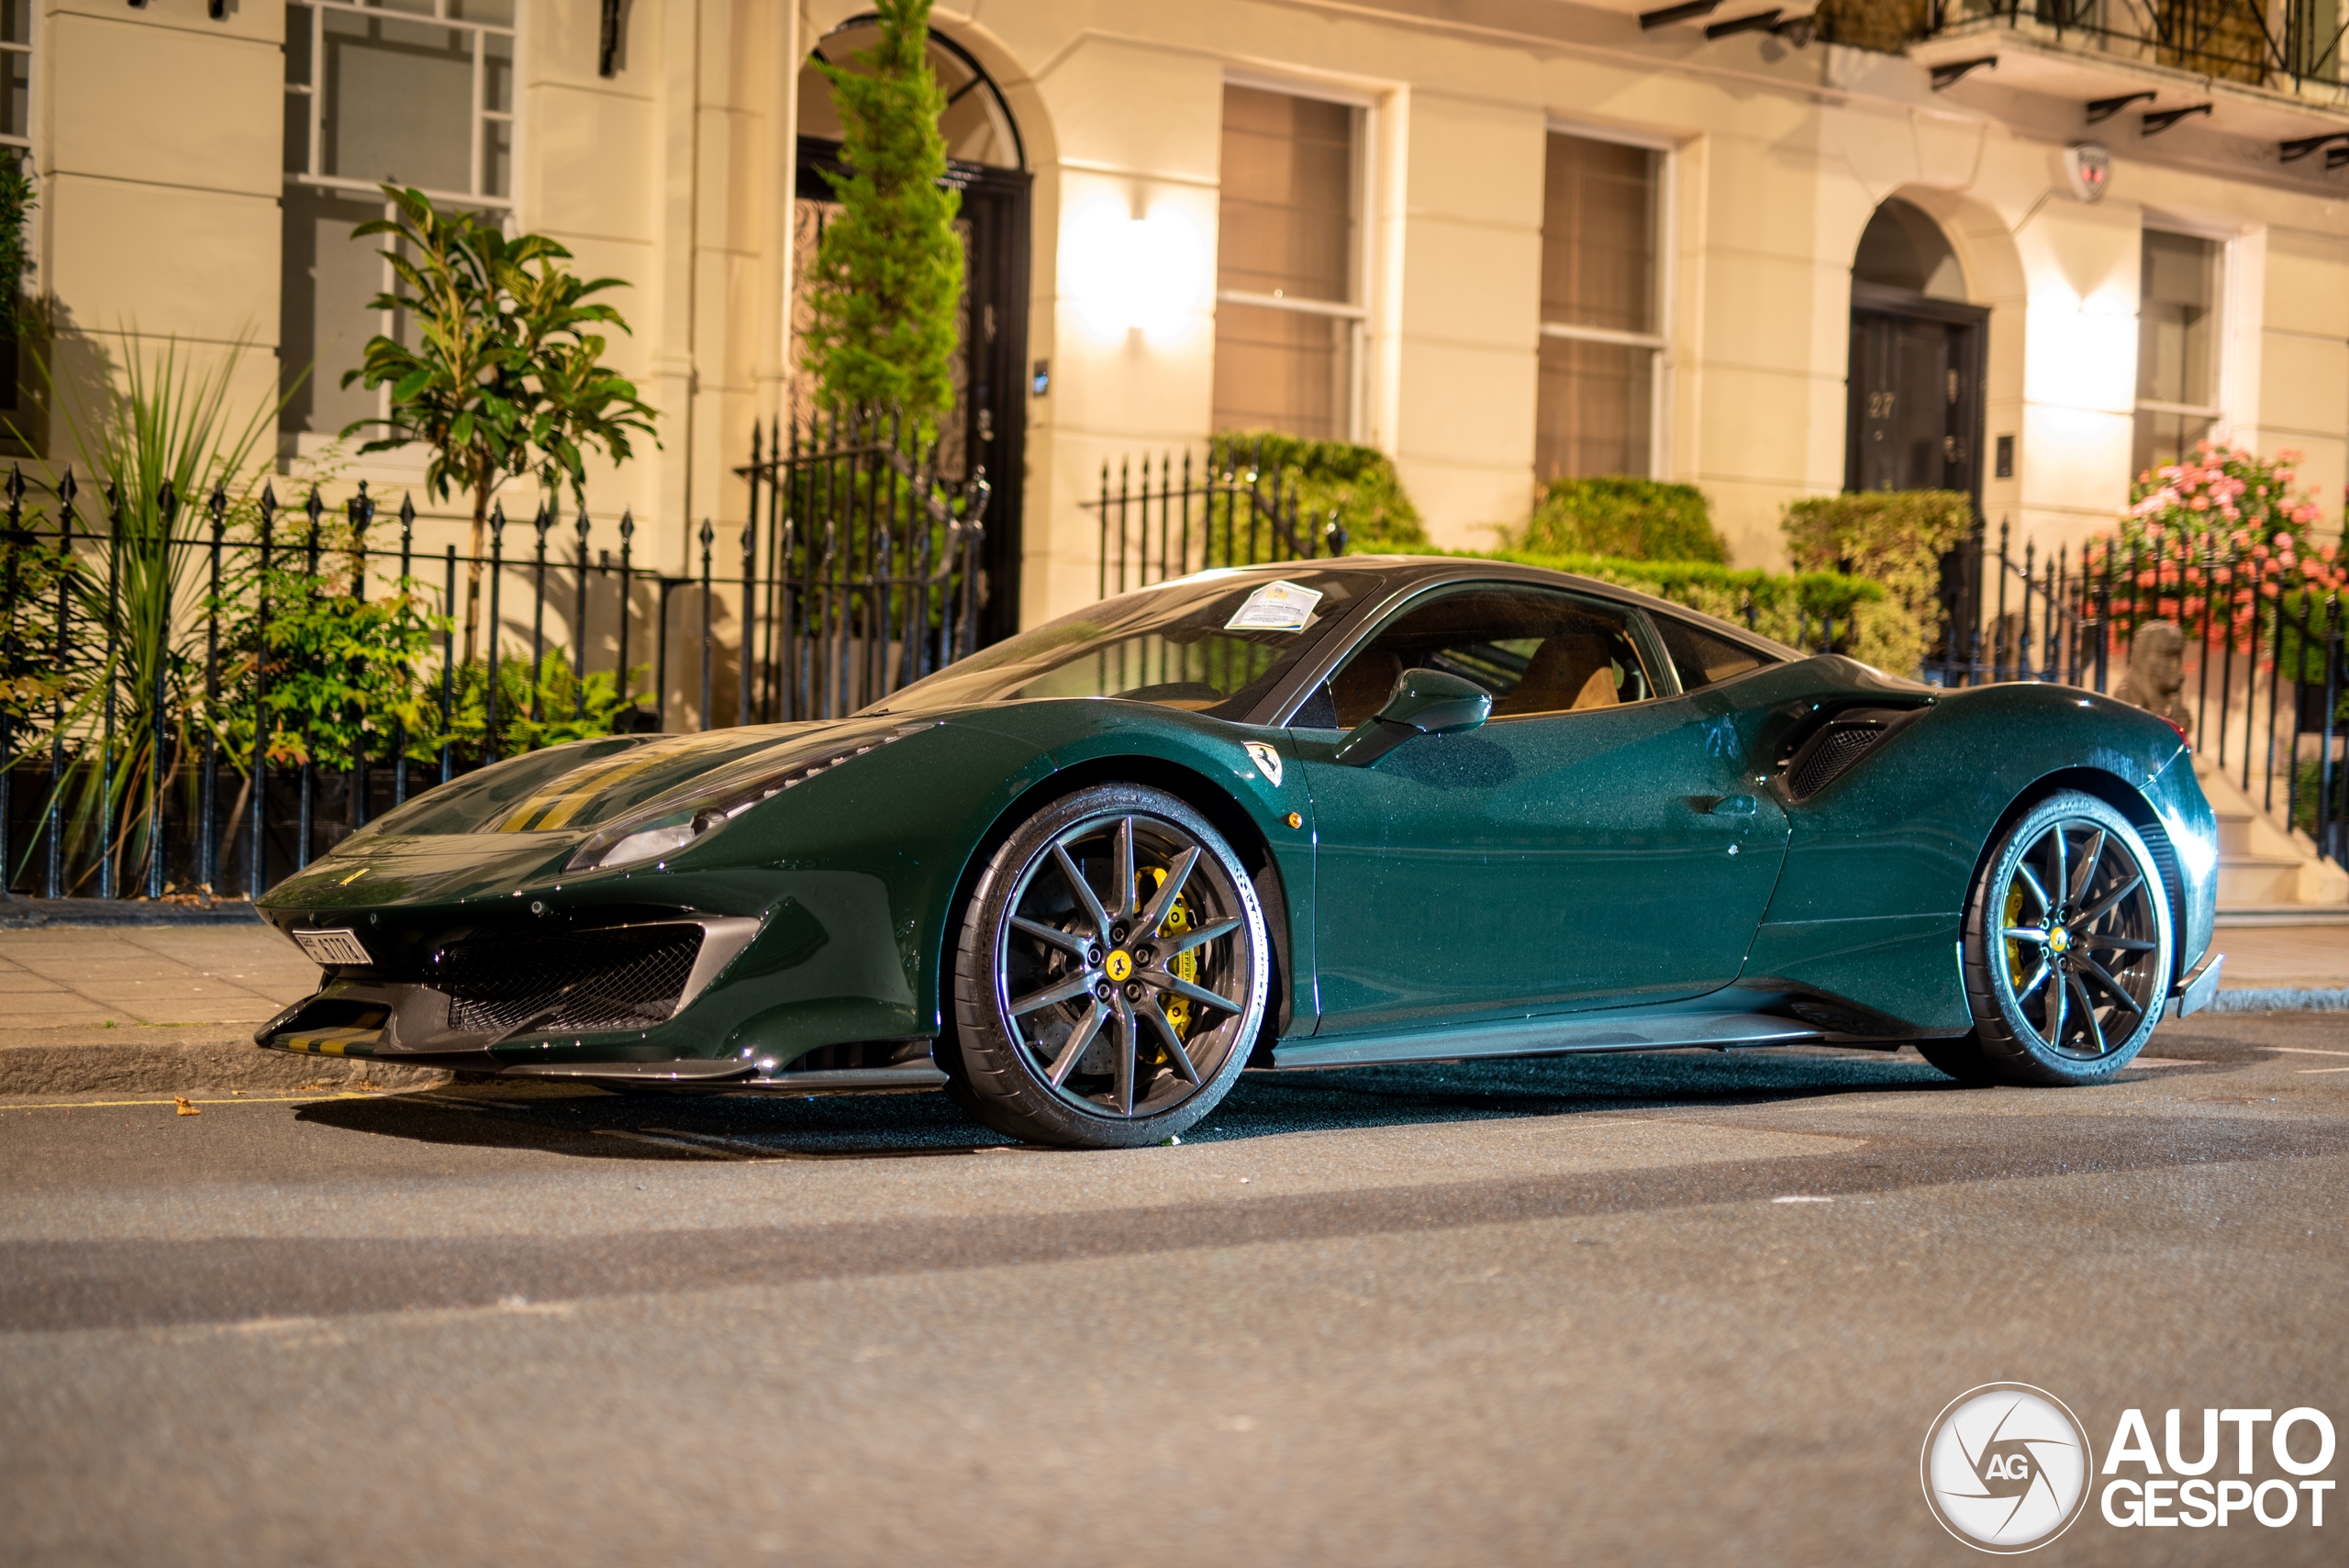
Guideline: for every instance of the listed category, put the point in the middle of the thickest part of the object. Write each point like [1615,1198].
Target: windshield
[1214,643]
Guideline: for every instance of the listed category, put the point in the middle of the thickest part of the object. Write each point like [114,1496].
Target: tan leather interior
[1569,671]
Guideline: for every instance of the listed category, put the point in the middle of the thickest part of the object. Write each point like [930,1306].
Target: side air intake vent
[1836,745]
[627,978]
[1828,754]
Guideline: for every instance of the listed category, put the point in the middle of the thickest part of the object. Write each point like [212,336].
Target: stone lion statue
[2156,677]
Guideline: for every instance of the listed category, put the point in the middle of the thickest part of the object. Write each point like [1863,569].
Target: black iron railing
[2262,654]
[2270,43]
[1171,515]
[200,697]
[859,567]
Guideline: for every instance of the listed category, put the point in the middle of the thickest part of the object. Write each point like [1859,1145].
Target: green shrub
[1798,608]
[1896,538]
[347,674]
[569,707]
[18,197]
[1354,487]
[1636,520]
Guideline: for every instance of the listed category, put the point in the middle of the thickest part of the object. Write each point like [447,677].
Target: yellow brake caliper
[2018,960]
[1183,966]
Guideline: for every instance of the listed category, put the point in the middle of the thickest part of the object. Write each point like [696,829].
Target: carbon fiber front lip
[2197,991]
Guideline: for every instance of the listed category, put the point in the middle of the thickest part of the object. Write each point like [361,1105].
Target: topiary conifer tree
[887,280]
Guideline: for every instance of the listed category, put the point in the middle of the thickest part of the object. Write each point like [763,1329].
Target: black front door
[989,427]
[1916,392]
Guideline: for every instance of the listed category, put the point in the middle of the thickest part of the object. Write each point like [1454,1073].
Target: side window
[1704,657]
[1537,651]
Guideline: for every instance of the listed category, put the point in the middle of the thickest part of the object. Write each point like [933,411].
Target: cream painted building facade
[1519,236]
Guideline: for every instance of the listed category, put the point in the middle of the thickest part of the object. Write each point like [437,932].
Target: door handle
[1731,805]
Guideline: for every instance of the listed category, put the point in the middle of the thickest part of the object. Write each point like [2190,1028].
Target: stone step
[2250,880]
[2252,915]
[2234,834]
[2261,865]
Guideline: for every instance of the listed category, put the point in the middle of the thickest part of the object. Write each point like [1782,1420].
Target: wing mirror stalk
[1424,702]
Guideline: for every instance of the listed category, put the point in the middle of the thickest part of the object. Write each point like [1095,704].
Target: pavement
[143,1009]
[1661,1308]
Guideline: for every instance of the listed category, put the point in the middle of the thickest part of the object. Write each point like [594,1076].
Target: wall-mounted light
[1147,274]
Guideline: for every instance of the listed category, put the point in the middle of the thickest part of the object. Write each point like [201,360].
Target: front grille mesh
[580,981]
[1835,749]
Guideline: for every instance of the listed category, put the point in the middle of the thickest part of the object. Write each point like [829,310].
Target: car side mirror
[1424,702]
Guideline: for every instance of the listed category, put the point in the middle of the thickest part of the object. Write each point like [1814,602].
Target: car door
[1595,843]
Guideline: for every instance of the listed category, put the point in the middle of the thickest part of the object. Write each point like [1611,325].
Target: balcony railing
[2276,44]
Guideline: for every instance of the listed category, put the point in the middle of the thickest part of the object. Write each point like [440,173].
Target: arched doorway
[1915,384]
[987,161]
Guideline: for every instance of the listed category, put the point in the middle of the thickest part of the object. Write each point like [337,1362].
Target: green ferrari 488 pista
[1372,809]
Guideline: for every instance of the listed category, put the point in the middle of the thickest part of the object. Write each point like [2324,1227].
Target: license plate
[332,946]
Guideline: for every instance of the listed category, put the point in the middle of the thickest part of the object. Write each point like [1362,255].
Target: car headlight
[670,825]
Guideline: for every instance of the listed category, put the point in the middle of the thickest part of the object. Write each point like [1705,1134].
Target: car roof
[1404,573]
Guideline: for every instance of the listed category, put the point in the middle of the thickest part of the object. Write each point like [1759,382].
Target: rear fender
[1901,832]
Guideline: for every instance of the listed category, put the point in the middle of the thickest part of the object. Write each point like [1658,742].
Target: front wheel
[2067,946]
[1110,973]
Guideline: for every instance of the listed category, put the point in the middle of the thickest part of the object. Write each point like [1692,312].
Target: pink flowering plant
[2211,543]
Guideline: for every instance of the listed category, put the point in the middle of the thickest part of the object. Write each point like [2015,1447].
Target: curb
[2282,999]
[25,914]
[221,1060]
[176,1066]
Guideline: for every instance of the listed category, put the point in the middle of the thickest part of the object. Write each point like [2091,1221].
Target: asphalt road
[1541,1312]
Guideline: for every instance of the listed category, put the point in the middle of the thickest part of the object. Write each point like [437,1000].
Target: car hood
[592,782]
[519,818]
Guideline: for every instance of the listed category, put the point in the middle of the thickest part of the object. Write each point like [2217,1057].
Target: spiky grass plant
[167,436]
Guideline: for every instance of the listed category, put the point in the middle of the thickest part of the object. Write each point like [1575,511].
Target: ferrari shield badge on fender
[1267,761]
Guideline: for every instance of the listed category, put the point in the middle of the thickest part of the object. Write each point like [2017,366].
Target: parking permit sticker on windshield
[1276,606]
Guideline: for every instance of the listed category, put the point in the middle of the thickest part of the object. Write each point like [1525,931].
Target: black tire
[1154,1000]
[2067,945]
[948,1054]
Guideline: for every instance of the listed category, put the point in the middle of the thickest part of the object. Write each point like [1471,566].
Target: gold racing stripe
[568,796]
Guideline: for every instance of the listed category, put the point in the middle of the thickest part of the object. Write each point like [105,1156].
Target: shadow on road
[589,1123]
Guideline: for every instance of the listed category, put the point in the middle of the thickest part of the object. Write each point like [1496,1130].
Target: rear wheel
[2068,948]
[1111,973]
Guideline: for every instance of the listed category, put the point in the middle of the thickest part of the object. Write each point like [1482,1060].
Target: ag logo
[2006,1467]
[1267,761]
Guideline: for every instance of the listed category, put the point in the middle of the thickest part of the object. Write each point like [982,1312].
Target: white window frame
[508,208]
[1658,342]
[35,49]
[2222,305]
[1354,312]
[30,50]
[510,116]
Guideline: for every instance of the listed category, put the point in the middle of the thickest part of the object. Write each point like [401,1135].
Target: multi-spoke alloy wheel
[1112,972]
[2067,945]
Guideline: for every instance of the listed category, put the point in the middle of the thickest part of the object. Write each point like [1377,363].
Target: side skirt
[1547,1037]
